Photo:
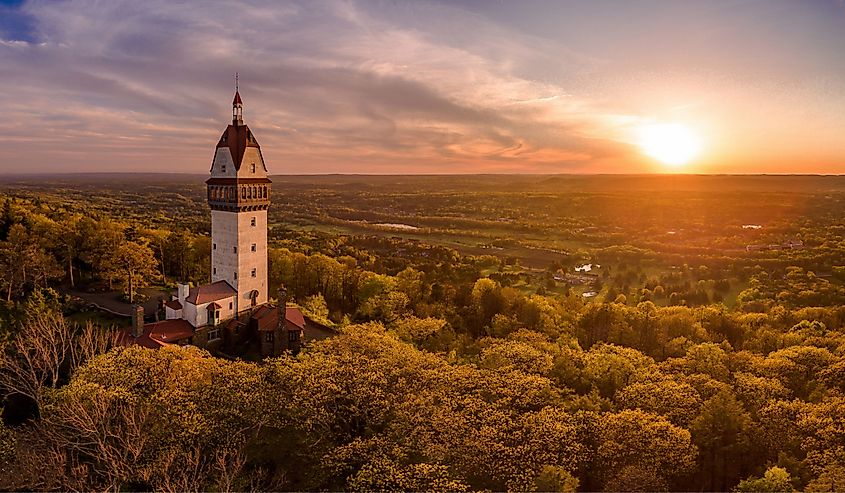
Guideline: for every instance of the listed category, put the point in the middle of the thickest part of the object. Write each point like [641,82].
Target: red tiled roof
[125,338]
[210,292]
[214,306]
[158,334]
[169,331]
[269,318]
[294,316]
[237,139]
[174,304]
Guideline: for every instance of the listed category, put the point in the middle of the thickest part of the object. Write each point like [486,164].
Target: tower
[239,196]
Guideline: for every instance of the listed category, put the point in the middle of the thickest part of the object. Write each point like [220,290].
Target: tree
[174,419]
[23,263]
[556,479]
[723,432]
[68,241]
[45,349]
[136,263]
[316,308]
[831,479]
[679,402]
[643,446]
[775,480]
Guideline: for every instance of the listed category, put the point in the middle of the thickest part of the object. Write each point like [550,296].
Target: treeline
[40,244]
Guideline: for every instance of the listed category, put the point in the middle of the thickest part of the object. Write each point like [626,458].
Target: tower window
[223,168]
[253,273]
[235,249]
[236,275]
[252,222]
[253,248]
[214,246]
[252,167]
[214,270]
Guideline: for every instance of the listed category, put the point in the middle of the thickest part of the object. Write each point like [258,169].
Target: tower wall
[233,236]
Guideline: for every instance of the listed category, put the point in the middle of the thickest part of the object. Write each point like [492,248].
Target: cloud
[327,86]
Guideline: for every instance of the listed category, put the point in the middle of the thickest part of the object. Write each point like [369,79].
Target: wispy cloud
[328,87]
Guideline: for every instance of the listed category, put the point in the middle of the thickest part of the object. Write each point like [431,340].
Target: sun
[672,144]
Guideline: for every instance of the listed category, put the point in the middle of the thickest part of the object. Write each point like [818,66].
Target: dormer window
[252,167]
[223,168]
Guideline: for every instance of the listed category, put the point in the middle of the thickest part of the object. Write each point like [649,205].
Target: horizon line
[176,173]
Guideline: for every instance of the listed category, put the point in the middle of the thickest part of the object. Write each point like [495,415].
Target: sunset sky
[400,86]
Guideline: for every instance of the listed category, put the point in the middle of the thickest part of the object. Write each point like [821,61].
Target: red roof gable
[210,292]
[294,316]
[174,304]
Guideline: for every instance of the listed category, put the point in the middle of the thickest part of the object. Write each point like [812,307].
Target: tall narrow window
[223,168]
[253,247]
[252,167]
[214,246]
[252,222]
[253,273]
[236,275]
[235,249]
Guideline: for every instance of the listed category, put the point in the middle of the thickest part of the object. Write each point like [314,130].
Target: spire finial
[236,82]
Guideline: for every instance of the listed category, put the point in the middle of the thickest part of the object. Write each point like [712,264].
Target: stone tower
[239,196]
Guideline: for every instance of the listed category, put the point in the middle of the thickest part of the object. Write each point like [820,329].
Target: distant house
[786,245]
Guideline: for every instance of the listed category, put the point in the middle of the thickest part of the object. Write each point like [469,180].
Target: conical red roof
[237,98]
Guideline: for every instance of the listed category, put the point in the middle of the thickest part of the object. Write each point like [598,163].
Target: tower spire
[237,106]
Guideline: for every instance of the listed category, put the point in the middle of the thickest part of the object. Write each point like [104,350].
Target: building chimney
[281,308]
[137,320]
[182,290]
[283,296]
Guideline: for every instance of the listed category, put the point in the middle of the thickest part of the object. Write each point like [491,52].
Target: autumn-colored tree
[134,262]
[633,445]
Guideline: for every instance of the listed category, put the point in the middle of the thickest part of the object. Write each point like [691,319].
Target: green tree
[136,263]
[774,480]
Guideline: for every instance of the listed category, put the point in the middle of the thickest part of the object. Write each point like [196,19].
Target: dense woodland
[703,351]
